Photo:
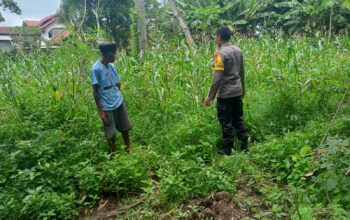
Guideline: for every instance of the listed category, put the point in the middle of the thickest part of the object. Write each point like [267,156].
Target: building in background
[52,33]
[5,38]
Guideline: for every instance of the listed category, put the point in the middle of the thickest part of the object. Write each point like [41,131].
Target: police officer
[228,86]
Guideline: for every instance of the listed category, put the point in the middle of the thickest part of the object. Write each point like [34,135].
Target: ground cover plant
[55,164]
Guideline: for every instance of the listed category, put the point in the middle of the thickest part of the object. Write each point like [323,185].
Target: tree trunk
[330,25]
[141,24]
[80,27]
[182,23]
[96,12]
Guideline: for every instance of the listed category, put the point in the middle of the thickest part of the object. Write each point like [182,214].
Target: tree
[111,16]
[182,23]
[26,38]
[141,24]
[11,6]
[248,16]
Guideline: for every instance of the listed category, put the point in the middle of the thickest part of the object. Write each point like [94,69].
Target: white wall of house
[45,33]
[5,43]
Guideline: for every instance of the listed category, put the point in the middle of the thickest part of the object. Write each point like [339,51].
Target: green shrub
[123,175]
[182,178]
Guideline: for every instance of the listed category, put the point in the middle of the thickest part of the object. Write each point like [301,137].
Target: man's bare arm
[119,86]
[97,101]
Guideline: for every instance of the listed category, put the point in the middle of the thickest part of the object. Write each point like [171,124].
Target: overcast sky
[31,10]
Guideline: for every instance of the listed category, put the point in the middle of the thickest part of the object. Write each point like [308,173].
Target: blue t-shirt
[106,77]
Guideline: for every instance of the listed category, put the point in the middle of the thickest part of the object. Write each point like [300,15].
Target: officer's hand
[207,101]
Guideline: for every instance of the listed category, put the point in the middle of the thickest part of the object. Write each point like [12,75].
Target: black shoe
[244,145]
[224,150]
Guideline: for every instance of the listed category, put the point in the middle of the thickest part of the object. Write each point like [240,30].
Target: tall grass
[52,142]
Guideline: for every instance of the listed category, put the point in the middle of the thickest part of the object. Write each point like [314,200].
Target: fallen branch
[124,208]
[128,207]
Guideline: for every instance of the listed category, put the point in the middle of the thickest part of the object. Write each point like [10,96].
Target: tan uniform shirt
[229,73]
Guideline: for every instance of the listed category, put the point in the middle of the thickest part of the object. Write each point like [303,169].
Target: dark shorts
[116,119]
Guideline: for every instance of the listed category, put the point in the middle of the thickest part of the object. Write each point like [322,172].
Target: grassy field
[54,161]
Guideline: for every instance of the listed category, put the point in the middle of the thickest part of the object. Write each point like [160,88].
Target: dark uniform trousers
[230,115]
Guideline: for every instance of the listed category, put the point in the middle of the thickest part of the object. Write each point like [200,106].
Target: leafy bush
[38,203]
[182,178]
[123,175]
[283,155]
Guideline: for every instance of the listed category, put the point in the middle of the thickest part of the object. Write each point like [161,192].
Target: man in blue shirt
[106,85]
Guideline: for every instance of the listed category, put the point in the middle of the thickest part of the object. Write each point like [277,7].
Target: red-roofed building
[51,31]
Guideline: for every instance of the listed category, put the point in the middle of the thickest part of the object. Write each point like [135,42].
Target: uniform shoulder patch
[218,64]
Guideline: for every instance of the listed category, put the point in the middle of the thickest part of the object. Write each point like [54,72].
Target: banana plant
[306,16]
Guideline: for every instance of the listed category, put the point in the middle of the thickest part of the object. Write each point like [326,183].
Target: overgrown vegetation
[248,17]
[270,16]
[54,158]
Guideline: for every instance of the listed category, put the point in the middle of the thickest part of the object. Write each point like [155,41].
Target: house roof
[30,23]
[43,22]
[58,38]
[47,23]
[48,19]
[6,30]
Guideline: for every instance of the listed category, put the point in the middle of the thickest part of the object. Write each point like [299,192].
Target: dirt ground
[218,206]
[106,209]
